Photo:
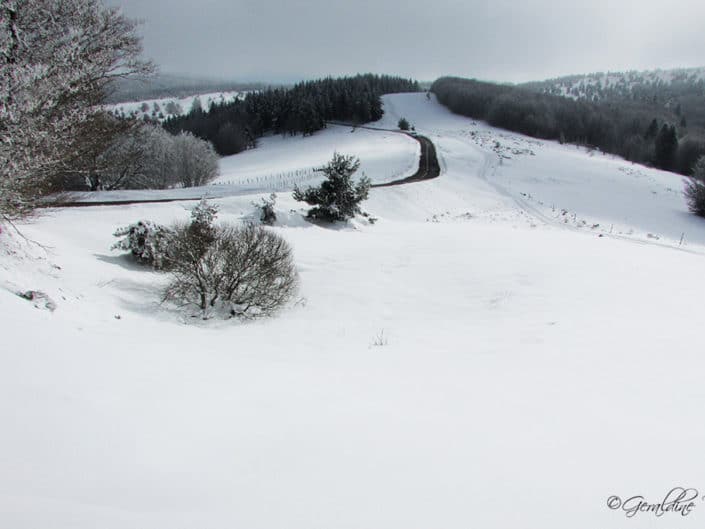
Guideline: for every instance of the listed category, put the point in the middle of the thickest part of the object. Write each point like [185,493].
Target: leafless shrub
[695,196]
[695,189]
[245,272]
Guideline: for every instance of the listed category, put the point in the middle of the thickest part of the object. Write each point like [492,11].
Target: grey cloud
[274,40]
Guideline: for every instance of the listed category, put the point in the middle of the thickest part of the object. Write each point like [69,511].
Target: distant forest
[303,109]
[680,91]
[637,129]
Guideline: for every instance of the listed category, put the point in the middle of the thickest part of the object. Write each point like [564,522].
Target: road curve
[428,168]
[428,162]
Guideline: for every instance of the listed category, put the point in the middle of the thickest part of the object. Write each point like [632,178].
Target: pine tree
[196,106]
[666,147]
[338,198]
[652,131]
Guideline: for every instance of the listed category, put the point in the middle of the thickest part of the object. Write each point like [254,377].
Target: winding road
[428,169]
[428,164]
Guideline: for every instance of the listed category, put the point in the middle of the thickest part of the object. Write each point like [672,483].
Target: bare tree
[245,271]
[124,163]
[141,156]
[56,59]
[196,162]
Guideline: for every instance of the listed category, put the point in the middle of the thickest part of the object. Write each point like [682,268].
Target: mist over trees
[630,129]
[170,86]
[304,109]
[675,97]
[678,91]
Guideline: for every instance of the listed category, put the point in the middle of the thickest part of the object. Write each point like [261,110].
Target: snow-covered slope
[281,162]
[561,185]
[531,368]
[601,85]
[163,108]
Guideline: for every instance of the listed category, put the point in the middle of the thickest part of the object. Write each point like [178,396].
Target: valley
[526,318]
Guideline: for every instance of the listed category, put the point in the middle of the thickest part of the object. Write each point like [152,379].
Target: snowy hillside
[163,108]
[528,318]
[598,86]
[281,162]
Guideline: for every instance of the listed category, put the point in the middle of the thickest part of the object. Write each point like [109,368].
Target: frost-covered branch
[58,57]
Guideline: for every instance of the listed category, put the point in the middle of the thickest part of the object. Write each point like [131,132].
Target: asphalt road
[428,169]
[428,164]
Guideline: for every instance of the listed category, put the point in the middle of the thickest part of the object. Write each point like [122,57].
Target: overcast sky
[502,40]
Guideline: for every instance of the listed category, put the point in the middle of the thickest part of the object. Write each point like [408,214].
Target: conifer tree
[338,198]
[666,147]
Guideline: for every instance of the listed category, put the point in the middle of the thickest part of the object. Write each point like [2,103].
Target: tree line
[303,109]
[680,92]
[628,128]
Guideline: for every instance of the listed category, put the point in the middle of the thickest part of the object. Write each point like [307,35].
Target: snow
[384,156]
[185,103]
[280,162]
[558,184]
[587,86]
[532,370]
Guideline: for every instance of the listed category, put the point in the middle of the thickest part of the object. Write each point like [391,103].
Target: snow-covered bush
[267,215]
[245,272]
[173,108]
[204,214]
[403,124]
[147,241]
[695,189]
[338,197]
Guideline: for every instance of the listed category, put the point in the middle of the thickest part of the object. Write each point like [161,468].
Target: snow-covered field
[285,161]
[534,362]
[160,109]
[281,162]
